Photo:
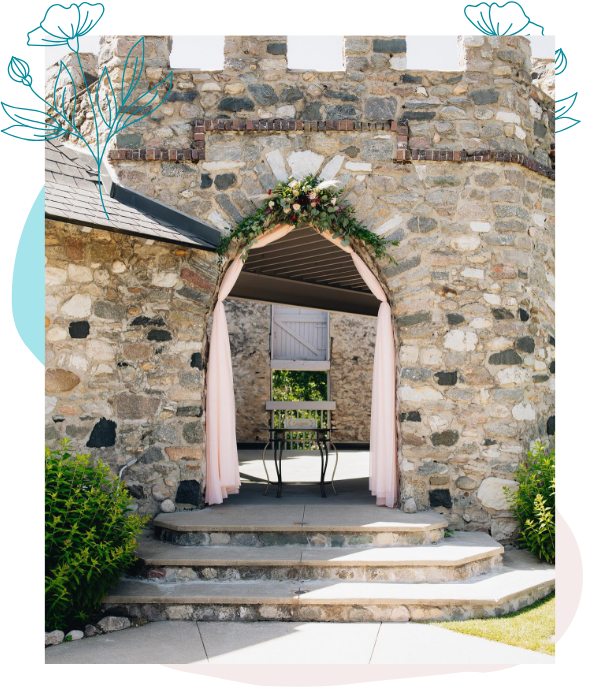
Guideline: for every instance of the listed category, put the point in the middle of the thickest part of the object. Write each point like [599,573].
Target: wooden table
[322,438]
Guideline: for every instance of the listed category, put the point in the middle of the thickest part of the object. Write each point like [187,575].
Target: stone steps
[300,525]
[458,557]
[520,581]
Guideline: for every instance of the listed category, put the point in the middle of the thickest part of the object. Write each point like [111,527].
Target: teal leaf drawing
[108,120]
[31,124]
[136,69]
[566,123]
[560,62]
[64,25]
[62,108]
[153,100]
[565,105]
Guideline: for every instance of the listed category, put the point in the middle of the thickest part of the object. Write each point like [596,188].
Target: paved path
[289,642]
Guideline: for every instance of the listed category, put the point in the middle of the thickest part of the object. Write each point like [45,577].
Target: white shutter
[299,335]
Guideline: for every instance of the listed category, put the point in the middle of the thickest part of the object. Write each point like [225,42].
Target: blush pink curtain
[222,467]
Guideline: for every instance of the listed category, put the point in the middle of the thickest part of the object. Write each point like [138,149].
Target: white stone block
[217,165]
[520,133]
[332,168]
[164,279]
[464,244]
[79,273]
[420,394]
[523,411]
[55,276]
[492,298]
[460,341]
[512,376]
[359,167]
[277,165]
[409,354]
[509,117]
[78,306]
[398,62]
[303,163]
[55,334]
[480,226]
[389,225]
[491,492]
[472,273]
[431,356]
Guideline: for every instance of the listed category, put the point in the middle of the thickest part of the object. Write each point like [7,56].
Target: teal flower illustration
[64,25]
[18,70]
[501,20]
[560,62]
[562,107]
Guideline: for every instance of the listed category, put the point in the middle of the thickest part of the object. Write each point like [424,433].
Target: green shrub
[533,502]
[90,535]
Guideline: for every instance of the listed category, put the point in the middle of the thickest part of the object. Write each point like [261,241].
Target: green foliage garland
[90,536]
[310,201]
[293,385]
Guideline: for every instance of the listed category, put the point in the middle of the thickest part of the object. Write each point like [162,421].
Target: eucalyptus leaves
[302,203]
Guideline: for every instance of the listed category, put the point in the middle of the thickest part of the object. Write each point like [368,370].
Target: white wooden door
[299,334]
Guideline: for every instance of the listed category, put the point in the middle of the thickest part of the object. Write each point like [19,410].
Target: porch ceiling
[305,269]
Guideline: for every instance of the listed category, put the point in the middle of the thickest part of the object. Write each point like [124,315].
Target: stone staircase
[322,563]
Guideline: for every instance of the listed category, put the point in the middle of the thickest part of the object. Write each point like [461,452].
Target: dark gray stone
[416,375]
[108,310]
[523,315]
[193,294]
[136,491]
[291,94]
[144,321]
[341,95]
[540,130]
[526,344]
[205,181]
[190,411]
[129,140]
[224,181]
[278,48]
[389,45]
[550,426]
[263,94]
[446,438]
[186,96]
[506,210]
[412,416]
[406,78]
[414,319]
[418,116]
[502,314]
[485,97]
[402,266]
[552,367]
[341,112]
[351,151]
[159,336]
[312,112]
[151,455]
[379,109]
[551,340]
[455,319]
[440,498]
[446,378]
[539,378]
[486,179]
[104,434]
[197,360]
[79,329]
[236,104]
[228,207]
[421,224]
[433,468]
[192,432]
[188,492]
[506,357]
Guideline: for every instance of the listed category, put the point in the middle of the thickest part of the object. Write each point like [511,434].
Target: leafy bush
[90,535]
[294,385]
[533,502]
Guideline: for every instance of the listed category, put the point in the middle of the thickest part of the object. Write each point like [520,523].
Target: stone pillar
[264,56]
[370,54]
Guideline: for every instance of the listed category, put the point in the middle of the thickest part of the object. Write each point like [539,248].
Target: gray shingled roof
[72,195]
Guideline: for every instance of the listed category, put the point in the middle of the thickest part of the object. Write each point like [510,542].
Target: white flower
[326,183]
[313,204]
[64,25]
[293,183]
[286,210]
[312,195]
[271,204]
[333,200]
[296,207]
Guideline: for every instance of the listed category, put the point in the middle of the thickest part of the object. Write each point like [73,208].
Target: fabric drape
[222,466]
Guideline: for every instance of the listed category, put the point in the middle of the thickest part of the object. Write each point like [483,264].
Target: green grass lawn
[530,628]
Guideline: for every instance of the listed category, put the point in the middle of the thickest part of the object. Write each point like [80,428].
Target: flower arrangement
[309,201]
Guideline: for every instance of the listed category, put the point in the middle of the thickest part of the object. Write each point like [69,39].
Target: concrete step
[458,557]
[519,582]
[304,525]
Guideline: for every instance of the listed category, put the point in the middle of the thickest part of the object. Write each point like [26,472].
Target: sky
[322,53]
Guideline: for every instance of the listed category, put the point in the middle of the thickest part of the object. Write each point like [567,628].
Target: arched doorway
[316,273]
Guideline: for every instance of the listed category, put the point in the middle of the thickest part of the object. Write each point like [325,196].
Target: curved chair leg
[337,456]
[265,466]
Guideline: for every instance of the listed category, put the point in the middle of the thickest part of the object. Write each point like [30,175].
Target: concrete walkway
[289,643]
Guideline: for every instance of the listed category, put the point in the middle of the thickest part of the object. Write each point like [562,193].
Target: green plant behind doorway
[293,385]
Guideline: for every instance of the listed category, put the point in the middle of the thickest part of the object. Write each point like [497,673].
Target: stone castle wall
[472,290]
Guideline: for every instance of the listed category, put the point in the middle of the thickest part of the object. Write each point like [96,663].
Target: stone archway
[222,464]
